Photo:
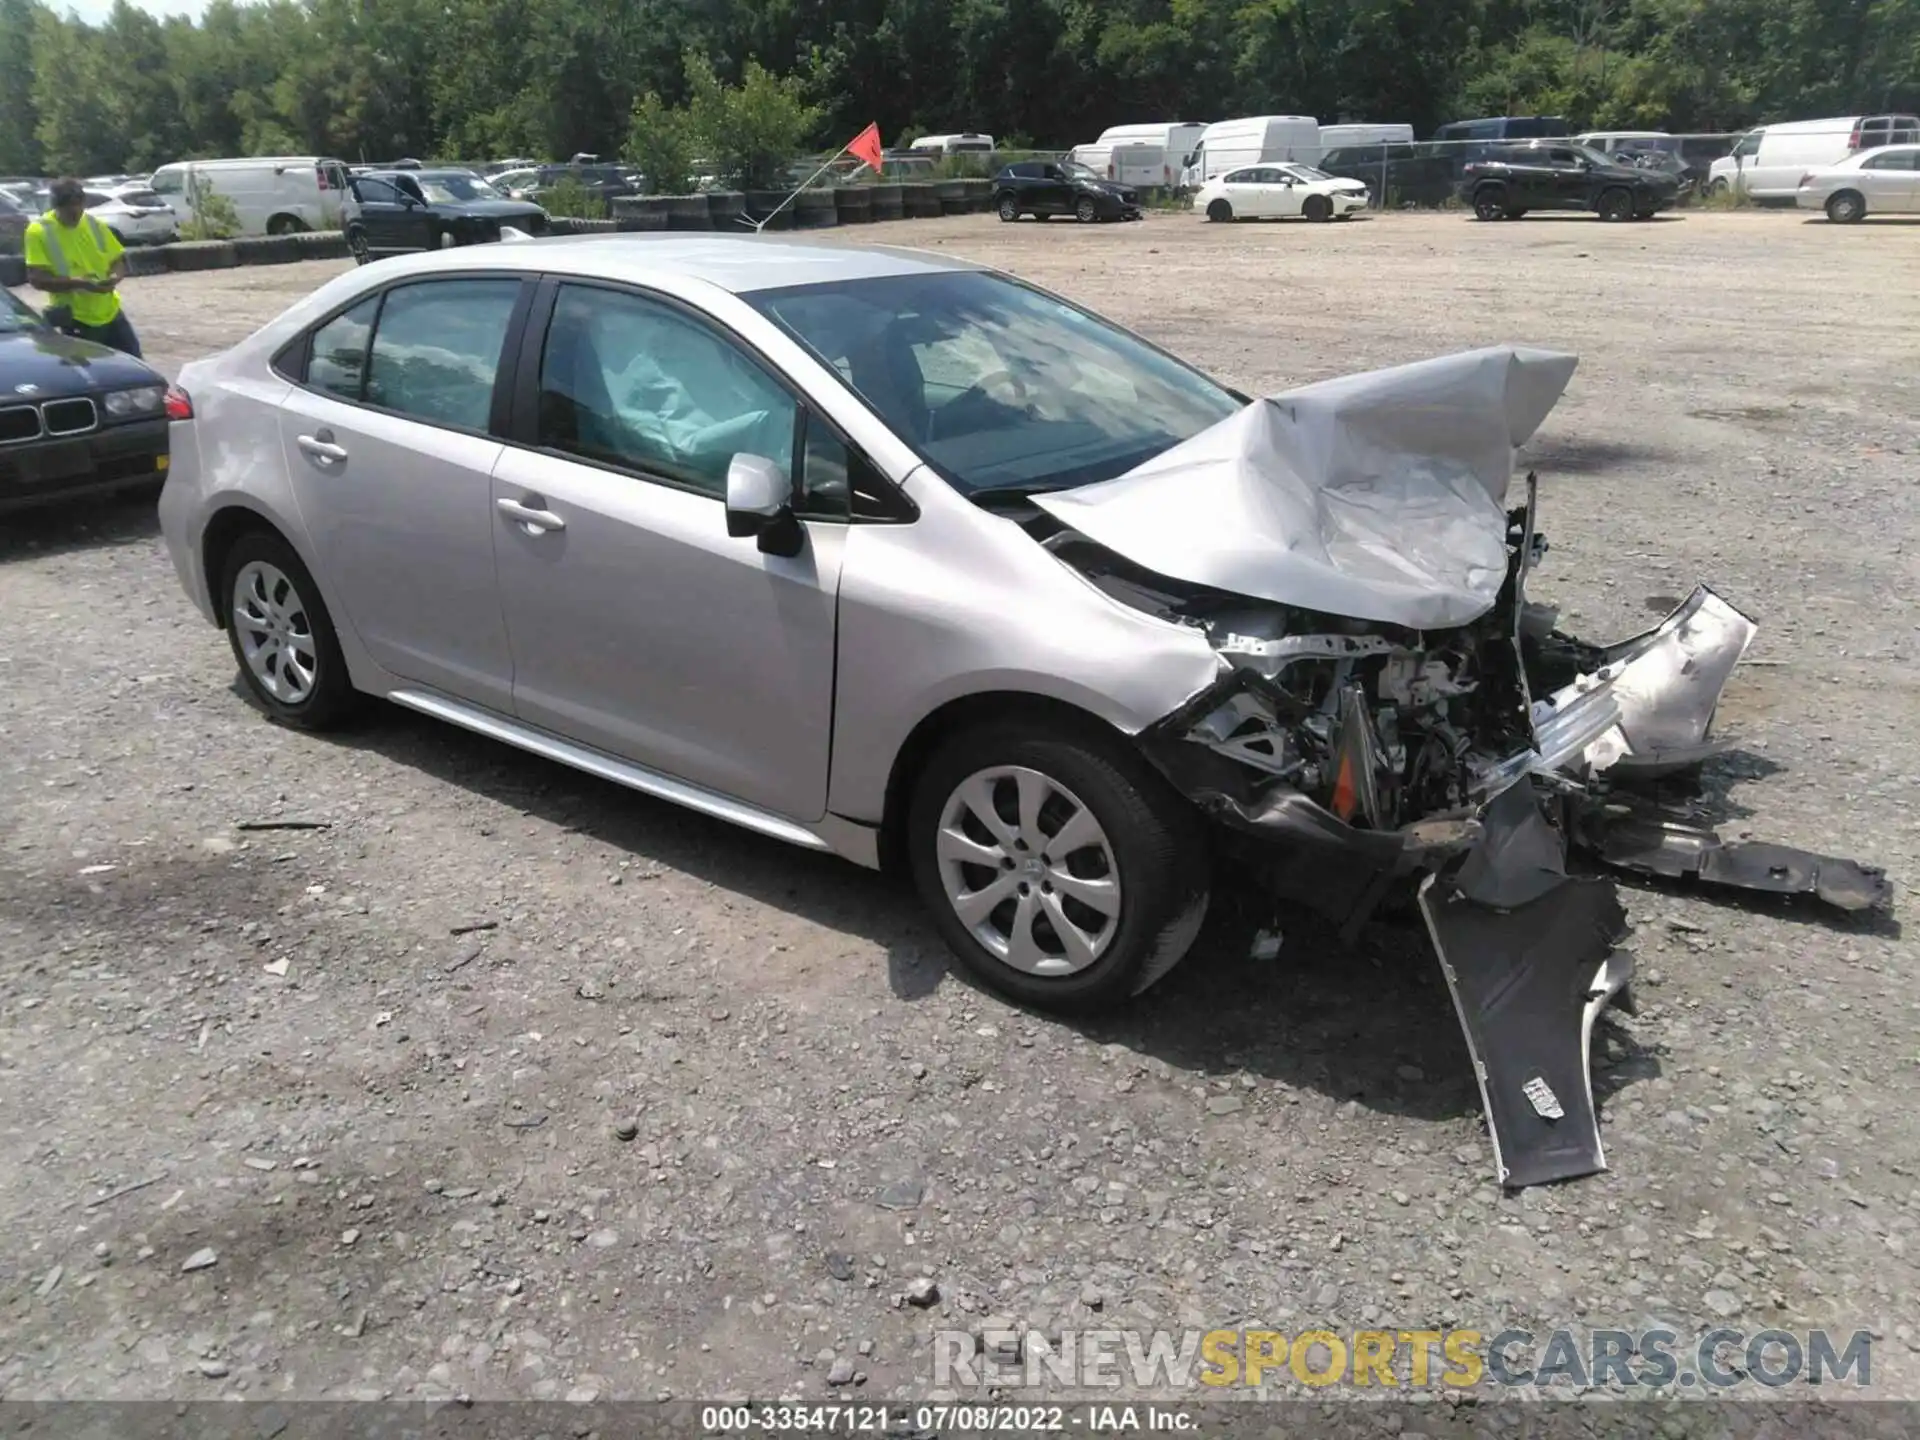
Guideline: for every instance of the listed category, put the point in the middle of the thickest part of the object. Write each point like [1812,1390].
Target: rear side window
[436,349]
[1894,160]
[338,364]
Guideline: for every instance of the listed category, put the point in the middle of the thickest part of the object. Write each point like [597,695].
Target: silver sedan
[895,556]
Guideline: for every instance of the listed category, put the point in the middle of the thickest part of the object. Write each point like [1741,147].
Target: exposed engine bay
[1448,738]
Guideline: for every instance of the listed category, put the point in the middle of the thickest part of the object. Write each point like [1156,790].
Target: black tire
[1156,839]
[1615,205]
[1086,212]
[1219,212]
[1009,209]
[1846,207]
[1318,209]
[357,245]
[286,225]
[1490,202]
[331,699]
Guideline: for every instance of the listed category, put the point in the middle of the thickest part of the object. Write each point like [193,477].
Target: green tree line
[378,79]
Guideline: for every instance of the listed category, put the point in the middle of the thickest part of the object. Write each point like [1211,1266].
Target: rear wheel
[1490,202]
[1062,870]
[357,245]
[1615,205]
[1219,212]
[1009,209]
[1847,207]
[1086,212]
[1318,209]
[282,635]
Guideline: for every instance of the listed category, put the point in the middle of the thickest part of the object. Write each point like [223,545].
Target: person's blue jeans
[116,334]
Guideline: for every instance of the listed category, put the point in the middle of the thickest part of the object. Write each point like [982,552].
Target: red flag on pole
[865,147]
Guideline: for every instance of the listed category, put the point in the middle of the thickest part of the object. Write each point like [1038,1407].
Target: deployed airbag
[1377,496]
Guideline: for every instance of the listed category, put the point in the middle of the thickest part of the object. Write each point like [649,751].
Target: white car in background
[1278,192]
[135,213]
[1885,181]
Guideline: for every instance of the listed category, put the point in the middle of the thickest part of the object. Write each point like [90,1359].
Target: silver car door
[638,625]
[387,444]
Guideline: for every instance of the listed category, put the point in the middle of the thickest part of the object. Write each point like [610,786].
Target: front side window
[633,382]
[436,349]
[338,363]
[1749,145]
[998,386]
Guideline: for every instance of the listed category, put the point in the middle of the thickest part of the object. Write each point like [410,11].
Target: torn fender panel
[1377,496]
[1668,684]
[1528,984]
[1647,841]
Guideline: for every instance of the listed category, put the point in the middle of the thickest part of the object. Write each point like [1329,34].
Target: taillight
[1853,140]
[320,174]
[179,404]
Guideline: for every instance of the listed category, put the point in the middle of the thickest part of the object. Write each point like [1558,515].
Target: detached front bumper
[1528,947]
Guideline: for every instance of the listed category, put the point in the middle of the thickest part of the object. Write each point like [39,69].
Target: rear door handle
[322,448]
[537,521]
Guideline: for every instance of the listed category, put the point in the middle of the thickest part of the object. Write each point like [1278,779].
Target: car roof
[737,264]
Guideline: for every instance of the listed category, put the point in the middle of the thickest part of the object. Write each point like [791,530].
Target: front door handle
[322,448]
[537,521]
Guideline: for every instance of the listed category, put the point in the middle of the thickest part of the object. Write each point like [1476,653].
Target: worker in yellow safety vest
[79,262]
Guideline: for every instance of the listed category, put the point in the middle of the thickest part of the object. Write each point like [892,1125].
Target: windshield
[452,189]
[15,316]
[997,386]
[1306,172]
[1592,156]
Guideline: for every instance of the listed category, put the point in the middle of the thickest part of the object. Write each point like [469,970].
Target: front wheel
[1086,212]
[1718,189]
[1219,212]
[282,635]
[1846,208]
[1060,868]
[1318,208]
[1009,210]
[1615,206]
[357,245]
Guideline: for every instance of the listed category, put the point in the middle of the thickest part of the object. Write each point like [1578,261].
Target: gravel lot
[403,1145]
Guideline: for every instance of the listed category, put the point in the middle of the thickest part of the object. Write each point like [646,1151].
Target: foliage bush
[213,216]
[568,197]
[660,143]
[748,132]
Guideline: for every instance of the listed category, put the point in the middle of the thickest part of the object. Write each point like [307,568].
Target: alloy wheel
[1029,871]
[276,637]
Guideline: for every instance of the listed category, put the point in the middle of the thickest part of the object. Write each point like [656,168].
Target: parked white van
[1174,139]
[1333,137]
[965,144]
[1768,162]
[1252,140]
[272,194]
[1128,162]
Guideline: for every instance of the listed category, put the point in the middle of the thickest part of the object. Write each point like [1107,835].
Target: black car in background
[1559,175]
[1396,174]
[396,212]
[1044,188]
[76,418]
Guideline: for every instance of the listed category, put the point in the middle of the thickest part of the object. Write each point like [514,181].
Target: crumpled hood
[1378,496]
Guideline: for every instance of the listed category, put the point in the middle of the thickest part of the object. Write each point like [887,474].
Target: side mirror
[760,503]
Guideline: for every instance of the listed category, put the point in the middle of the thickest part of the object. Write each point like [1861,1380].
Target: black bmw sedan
[76,418]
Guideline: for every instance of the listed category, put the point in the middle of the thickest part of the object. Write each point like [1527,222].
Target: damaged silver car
[897,557]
